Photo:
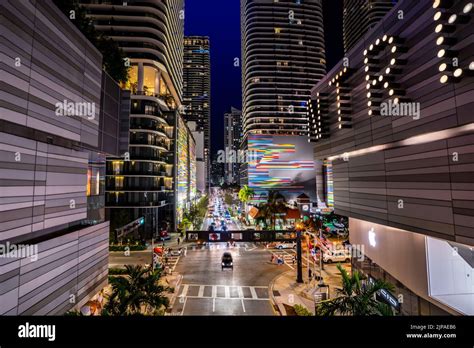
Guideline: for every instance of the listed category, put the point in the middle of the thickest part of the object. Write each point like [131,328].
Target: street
[206,289]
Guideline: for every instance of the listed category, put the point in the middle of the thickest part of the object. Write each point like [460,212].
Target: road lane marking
[243,306]
[213,304]
[253,292]
[214,285]
[201,291]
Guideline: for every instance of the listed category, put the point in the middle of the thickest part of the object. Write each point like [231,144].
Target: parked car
[338,224]
[175,252]
[227,261]
[285,245]
[337,256]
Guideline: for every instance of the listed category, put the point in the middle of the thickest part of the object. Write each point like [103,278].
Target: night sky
[220,20]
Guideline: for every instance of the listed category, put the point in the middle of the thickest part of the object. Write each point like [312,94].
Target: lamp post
[299,266]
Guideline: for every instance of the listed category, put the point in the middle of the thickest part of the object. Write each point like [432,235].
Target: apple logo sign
[372,240]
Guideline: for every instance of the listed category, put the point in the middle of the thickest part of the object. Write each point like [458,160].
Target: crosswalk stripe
[241,292]
[185,290]
[227,292]
[253,292]
[201,291]
[214,291]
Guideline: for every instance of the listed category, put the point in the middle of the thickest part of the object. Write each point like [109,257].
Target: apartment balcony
[124,199]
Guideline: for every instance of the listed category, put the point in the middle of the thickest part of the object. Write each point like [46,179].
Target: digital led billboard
[282,163]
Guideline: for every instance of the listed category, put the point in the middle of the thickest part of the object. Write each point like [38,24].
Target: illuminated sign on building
[283,163]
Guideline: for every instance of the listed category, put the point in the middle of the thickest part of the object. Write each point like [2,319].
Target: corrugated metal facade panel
[413,174]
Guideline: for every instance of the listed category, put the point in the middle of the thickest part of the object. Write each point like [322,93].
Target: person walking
[179,240]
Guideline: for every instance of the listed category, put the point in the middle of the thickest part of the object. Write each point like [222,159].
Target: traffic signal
[142,221]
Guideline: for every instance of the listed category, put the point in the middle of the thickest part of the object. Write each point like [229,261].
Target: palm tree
[136,293]
[356,297]
[276,205]
[245,195]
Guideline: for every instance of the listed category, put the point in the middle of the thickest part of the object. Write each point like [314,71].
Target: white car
[176,252]
[285,245]
[337,256]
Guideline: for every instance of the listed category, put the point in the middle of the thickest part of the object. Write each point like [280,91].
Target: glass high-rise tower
[197,90]
[361,15]
[283,56]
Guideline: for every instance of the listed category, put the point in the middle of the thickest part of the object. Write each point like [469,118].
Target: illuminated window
[150,75]
[277,30]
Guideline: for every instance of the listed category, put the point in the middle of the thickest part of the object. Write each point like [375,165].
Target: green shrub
[301,311]
[117,271]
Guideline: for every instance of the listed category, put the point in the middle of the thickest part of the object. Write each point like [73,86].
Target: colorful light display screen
[182,169]
[281,163]
[329,183]
[186,169]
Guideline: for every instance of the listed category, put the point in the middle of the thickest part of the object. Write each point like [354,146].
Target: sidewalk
[285,292]
[173,281]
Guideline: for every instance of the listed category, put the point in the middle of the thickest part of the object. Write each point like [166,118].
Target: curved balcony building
[151,34]
[283,57]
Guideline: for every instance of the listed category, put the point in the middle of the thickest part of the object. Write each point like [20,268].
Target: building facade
[232,137]
[393,134]
[53,232]
[283,57]
[141,182]
[197,89]
[359,16]
[202,184]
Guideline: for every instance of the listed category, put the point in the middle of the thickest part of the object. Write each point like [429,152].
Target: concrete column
[157,82]
[140,77]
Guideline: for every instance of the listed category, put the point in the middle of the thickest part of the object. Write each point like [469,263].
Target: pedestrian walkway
[172,262]
[223,291]
[288,257]
[286,292]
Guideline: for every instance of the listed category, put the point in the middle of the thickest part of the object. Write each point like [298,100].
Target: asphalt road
[207,290]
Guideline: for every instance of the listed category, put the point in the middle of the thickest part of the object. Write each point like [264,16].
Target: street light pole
[307,257]
[299,268]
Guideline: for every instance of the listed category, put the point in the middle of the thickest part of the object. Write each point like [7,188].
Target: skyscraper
[361,15]
[142,182]
[283,56]
[197,88]
[232,138]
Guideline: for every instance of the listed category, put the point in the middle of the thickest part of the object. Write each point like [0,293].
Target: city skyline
[206,18]
[209,160]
